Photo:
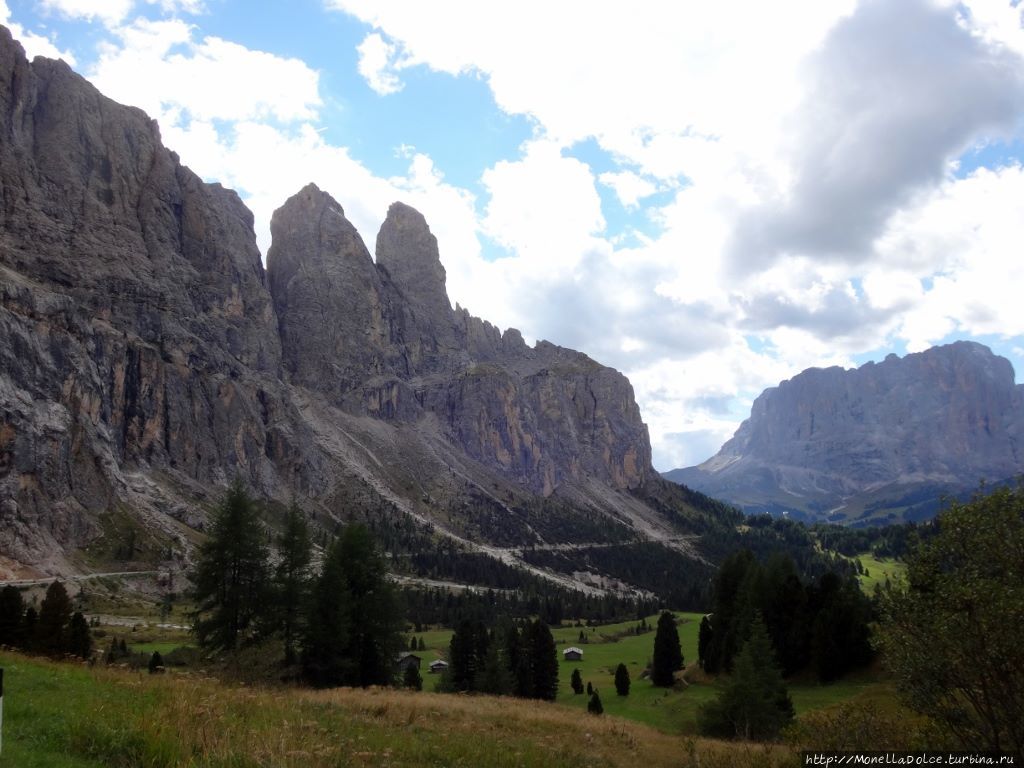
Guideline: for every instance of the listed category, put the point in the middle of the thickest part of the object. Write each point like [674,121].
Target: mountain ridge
[149,358]
[876,442]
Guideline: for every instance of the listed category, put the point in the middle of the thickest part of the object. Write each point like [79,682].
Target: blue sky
[708,198]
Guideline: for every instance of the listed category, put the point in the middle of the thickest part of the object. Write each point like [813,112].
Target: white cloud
[629,187]
[379,62]
[34,45]
[110,12]
[191,7]
[544,207]
[160,67]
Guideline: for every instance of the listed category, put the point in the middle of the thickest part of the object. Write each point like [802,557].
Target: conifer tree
[667,655]
[422,645]
[355,625]
[292,579]
[411,678]
[29,629]
[594,706]
[576,681]
[12,617]
[54,617]
[540,645]
[79,636]
[231,578]
[704,640]
[753,702]
[622,680]
[156,663]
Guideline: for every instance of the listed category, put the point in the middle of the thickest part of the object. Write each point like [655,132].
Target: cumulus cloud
[379,62]
[896,90]
[160,67]
[628,186]
[34,45]
[110,12]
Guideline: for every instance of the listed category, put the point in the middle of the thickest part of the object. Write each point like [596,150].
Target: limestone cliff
[878,443]
[146,357]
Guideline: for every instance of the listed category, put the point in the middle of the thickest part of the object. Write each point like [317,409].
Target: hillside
[877,444]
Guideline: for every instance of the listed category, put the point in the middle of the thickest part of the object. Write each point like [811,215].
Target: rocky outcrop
[382,340]
[866,443]
[146,357]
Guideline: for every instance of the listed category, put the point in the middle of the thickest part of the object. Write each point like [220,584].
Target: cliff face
[857,443]
[382,340]
[146,358]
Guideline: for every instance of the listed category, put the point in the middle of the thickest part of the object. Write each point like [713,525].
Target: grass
[72,716]
[878,570]
[670,711]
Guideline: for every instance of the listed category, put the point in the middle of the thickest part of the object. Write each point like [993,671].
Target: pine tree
[411,678]
[12,617]
[704,640]
[355,624]
[667,655]
[422,645]
[231,580]
[412,644]
[29,629]
[54,617]
[594,706]
[622,680]
[540,645]
[753,702]
[292,579]
[576,681]
[79,637]
[590,688]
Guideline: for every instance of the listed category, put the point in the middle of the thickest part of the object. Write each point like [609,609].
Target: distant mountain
[147,358]
[876,444]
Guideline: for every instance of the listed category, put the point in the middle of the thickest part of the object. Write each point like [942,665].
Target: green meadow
[668,710]
[877,571]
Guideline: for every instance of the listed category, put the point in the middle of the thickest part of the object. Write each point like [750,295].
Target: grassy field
[670,711]
[72,716]
[878,570]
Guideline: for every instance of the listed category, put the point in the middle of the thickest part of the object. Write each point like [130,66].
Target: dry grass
[123,719]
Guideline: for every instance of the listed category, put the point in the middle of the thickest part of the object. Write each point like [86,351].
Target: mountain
[876,444]
[147,358]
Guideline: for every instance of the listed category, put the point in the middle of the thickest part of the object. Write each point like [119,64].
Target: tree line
[339,626]
[55,629]
[823,625]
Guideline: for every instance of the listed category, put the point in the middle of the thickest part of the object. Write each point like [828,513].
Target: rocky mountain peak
[146,356]
[407,250]
[943,418]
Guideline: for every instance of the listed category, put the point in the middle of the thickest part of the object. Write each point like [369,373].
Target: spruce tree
[12,617]
[704,640]
[355,624]
[231,577]
[411,678]
[292,579]
[422,645]
[544,661]
[79,636]
[576,681]
[667,655]
[594,706]
[753,702]
[622,680]
[156,663]
[29,629]
[54,617]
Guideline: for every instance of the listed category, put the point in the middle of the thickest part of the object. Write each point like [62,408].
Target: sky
[709,197]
